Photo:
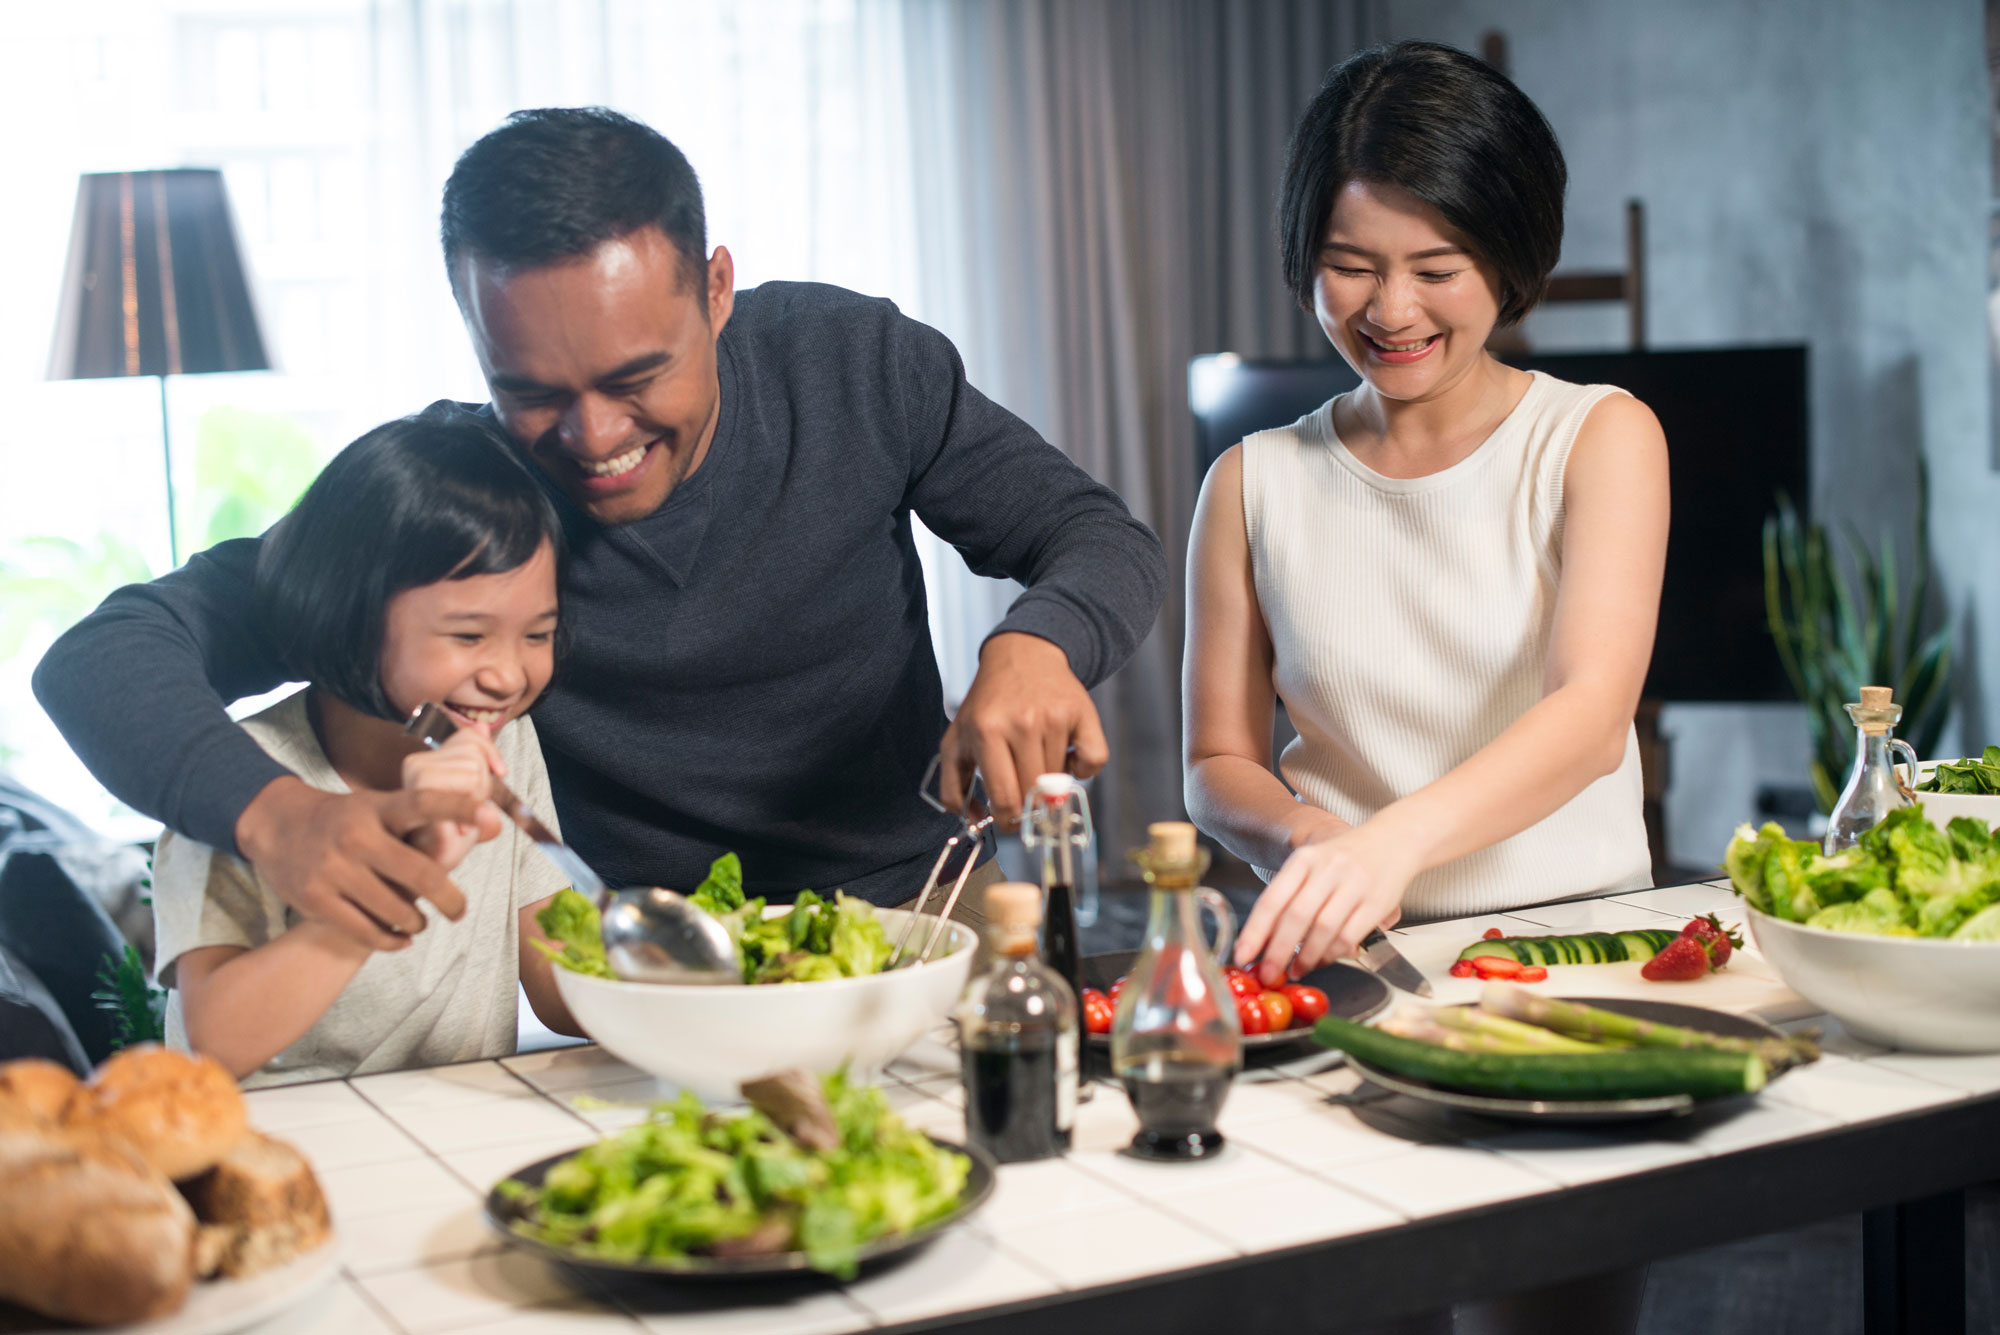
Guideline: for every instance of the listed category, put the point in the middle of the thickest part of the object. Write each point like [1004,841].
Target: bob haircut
[558,182]
[1452,131]
[439,495]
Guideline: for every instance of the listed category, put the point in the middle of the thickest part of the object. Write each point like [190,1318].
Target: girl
[421,565]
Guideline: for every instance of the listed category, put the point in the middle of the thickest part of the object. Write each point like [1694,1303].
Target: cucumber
[1581,948]
[1623,1073]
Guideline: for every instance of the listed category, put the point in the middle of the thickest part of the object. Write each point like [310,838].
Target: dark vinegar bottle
[1017,1029]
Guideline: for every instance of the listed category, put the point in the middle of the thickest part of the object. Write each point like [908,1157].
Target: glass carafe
[1874,789]
[1176,1044]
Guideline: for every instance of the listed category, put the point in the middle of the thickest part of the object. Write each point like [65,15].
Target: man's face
[603,366]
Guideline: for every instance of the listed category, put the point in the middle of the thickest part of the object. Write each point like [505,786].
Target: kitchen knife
[1385,960]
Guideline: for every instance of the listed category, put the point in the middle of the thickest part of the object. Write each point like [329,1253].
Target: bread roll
[89,1232]
[181,1112]
[37,1087]
[259,1207]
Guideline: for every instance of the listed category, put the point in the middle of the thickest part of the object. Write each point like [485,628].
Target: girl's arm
[1227,701]
[244,1007]
[1339,885]
[538,977]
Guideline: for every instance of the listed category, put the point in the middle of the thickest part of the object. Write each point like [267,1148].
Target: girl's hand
[1337,886]
[466,763]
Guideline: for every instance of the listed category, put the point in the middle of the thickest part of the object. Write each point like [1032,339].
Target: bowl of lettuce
[1898,938]
[1968,787]
[816,996]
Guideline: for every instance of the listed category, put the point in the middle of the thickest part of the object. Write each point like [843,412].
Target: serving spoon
[650,935]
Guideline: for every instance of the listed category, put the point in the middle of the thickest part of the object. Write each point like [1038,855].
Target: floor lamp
[155,286]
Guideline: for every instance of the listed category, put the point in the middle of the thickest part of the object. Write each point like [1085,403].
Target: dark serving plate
[1564,1111]
[1352,993]
[501,1213]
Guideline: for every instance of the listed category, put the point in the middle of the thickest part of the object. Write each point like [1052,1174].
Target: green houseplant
[1833,639]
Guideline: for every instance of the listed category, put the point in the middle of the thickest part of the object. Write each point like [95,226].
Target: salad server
[650,935]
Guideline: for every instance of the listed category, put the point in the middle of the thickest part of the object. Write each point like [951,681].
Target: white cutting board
[1746,985]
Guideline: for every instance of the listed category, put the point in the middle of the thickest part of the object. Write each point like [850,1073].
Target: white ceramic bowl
[1941,807]
[1920,993]
[712,1039]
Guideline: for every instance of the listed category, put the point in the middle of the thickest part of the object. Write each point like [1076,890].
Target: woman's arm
[244,1007]
[1339,886]
[538,977]
[1227,700]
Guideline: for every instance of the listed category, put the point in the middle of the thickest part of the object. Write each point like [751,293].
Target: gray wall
[1813,171]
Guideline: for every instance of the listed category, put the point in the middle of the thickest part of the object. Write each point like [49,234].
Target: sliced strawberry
[1533,973]
[1492,934]
[1461,969]
[1685,958]
[1711,933]
[1494,966]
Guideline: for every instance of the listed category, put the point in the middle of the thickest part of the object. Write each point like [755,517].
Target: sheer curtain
[1095,181]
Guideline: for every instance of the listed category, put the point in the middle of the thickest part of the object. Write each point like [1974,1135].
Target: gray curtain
[1095,181]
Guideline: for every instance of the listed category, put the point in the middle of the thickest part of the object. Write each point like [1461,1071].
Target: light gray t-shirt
[448,997]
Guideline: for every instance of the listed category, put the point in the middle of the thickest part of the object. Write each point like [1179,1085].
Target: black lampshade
[155,282]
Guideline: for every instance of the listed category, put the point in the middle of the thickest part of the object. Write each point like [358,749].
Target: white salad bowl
[1925,994]
[712,1039]
[1941,807]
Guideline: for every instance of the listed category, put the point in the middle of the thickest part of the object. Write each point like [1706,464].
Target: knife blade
[1385,960]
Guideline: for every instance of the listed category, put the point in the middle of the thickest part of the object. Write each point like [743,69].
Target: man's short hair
[558,182]
[439,495]
[1452,131]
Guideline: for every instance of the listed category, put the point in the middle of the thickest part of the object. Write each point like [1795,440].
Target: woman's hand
[1340,883]
[466,763]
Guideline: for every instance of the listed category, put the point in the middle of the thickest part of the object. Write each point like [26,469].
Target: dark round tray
[1352,993]
[501,1213]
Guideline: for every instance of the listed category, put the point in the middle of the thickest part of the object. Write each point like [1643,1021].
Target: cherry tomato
[1493,934]
[1242,983]
[1252,1016]
[1308,1003]
[1277,1010]
[1097,1011]
[1533,973]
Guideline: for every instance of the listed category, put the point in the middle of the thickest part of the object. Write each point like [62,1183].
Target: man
[749,662]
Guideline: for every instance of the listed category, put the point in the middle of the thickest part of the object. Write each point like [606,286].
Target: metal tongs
[970,836]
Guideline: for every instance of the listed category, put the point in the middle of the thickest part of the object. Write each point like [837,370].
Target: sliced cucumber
[1580,948]
[1626,1073]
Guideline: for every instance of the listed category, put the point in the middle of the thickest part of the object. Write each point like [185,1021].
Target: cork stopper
[1171,841]
[1877,711]
[1014,905]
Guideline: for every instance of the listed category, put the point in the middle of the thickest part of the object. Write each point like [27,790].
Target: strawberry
[1492,934]
[1685,957]
[1462,969]
[1533,973]
[1719,939]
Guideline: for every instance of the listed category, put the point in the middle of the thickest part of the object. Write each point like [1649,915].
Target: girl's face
[1400,293]
[482,646]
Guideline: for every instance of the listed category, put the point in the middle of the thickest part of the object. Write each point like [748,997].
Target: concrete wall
[1813,171]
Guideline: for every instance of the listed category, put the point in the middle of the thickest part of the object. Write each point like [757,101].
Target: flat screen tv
[1735,420]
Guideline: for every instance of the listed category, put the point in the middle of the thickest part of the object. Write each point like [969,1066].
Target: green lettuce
[571,923]
[688,1182]
[1979,777]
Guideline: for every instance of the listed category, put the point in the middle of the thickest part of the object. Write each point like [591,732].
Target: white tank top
[1411,618]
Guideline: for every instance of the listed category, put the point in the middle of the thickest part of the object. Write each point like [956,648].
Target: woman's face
[1400,293]
[482,646]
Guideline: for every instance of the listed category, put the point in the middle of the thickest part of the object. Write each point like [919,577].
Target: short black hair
[437,495]
[1451,130]
[558,182]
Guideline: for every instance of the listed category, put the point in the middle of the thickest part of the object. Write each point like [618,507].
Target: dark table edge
[1363,1279]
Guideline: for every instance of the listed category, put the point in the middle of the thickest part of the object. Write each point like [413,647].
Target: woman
[1450,575]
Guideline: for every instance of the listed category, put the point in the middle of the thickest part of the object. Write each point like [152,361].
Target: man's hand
[466,763]
[1026,715]
[339,858]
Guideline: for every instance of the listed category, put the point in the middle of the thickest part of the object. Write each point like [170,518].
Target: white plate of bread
[141,1200]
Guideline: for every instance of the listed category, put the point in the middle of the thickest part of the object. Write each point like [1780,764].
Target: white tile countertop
[406,1159]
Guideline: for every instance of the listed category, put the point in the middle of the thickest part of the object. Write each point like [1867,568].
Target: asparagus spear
[1424,1029]
[1588,1022]
[1519,1037]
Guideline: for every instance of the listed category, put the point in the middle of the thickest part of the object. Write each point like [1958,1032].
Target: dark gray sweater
[751,666]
